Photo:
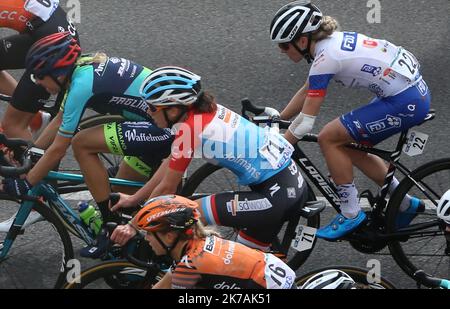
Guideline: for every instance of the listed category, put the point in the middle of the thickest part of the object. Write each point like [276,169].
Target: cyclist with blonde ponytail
[353,60]
[201,258]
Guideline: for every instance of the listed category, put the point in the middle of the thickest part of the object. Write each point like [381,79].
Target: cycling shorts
[143,144]
[13,51]
[260,213]
[385,117]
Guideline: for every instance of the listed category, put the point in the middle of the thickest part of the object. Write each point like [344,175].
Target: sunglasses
[155,109]
[35,77]
[284,46]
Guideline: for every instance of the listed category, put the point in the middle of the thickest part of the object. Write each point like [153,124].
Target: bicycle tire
[359,275]
[432,174]
[294,259]
[108,274]
[39,256]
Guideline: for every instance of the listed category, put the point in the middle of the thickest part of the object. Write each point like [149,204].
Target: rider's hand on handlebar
[122,234]
[15,186]
[125,201]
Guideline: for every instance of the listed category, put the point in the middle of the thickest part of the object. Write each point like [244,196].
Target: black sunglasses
[284,46]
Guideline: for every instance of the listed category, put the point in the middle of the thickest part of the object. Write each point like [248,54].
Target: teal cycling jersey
[108,87]
[224,138]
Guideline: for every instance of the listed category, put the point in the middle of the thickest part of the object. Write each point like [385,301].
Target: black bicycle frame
[328,188]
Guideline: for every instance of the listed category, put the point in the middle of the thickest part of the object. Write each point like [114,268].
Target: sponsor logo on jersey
[274,189]
[228,258]
[114,60]
[225,286]
[375,88]
[131,102]
[209,244]
[370,43]
[390,122]
[291,193]
[100,69]
[422,87]
[367,68]
[245,206]
[124,65]
[349,41]
[133,136]
[12,15]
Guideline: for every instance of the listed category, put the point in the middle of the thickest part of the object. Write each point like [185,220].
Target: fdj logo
[367,68]
[349,42]
[385,124]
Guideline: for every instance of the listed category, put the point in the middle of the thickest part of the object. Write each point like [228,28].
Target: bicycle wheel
[426,247]
[361,276]
[209,179]
[114,275]
[36,256]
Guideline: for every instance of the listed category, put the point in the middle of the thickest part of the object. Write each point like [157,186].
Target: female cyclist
[259,158]
[33,19]
[202,259]
[353,60]
[106,85]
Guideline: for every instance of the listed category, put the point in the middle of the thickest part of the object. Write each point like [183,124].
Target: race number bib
[406,64]
[416,143]
[276,149]
[277,274]
[41,8]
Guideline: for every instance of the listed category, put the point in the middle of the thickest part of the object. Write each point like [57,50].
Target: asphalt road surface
[227,43]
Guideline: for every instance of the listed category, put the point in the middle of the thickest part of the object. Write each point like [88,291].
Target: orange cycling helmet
[166,213]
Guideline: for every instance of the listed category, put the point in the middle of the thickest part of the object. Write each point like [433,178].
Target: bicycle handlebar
[423,278]
[20,148]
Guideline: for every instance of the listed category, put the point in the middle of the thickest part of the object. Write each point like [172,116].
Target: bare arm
[7,83]
[165,282]
[47,137]
[169,183]
[49,160]
[295,106]
[311,108]
[146,191]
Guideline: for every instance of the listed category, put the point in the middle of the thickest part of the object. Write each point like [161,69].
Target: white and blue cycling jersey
[390,72]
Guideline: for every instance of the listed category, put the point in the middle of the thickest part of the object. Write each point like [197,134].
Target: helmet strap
[306,53]
[166,247]
[171,123]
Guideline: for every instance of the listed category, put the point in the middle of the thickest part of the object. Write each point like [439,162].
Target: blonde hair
[328,27]
[200,232]
[97,57]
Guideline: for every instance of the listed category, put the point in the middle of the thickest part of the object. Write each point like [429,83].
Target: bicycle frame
[329,191]
[60,207]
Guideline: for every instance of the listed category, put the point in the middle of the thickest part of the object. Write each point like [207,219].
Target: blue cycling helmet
[53,55]
[171,86]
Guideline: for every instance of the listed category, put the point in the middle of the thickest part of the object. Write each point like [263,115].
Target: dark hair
[206,103]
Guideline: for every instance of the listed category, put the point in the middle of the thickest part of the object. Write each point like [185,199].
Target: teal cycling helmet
[171,86]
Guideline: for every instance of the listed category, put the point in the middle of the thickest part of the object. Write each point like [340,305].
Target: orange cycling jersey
[13,15]
[215,263]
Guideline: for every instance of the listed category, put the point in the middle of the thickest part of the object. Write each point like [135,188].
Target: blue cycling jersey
[111,86]
[225,138]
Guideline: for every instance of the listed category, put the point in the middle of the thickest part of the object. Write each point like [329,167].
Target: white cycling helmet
[329,279]
[294,19]
[443,208]
[171,86]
